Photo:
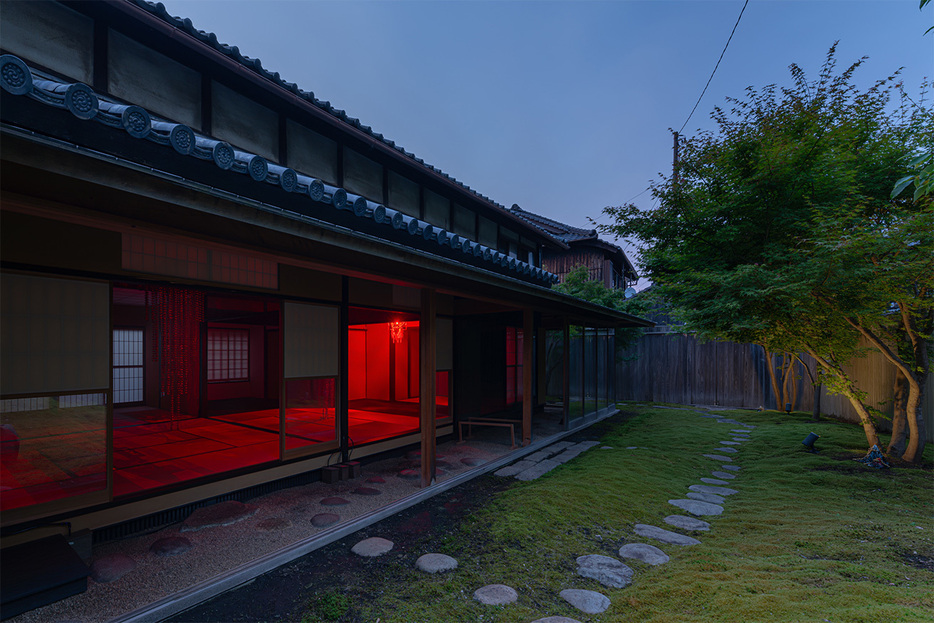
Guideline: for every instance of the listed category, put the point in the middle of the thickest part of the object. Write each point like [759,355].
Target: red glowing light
[397,330]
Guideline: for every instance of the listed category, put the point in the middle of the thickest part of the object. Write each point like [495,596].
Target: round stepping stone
[111,567]
[444,466]
[714,490]
[665,536]
[731,443]
[729,450]
[496,595]
[335,501]
[590,602]
[324,519]
[220,514]
[376,480]
[686,523]
[608,571]
[714,481]
[170,546]
[718,457]
[472,461]
[435,563]
[556,620]
[696,507]
[724,475]
[410,474]
[273,523]
[732,468]
[606,447]
[644,552]
[632,447]
[706,497]
[372,547]
[367,491]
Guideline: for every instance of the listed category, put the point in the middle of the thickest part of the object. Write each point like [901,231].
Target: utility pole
[674,160]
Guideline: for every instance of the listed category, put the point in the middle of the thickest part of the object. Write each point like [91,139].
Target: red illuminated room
[383,378]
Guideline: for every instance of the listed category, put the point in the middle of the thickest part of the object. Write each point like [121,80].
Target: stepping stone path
[696,507]
[686,523]
[718,457]
[367,491]
[556,620]
[741,431]
[714,481]
[496,595]
[543,461]
[665,536]
[644,552]
[590,602]
[111,567]
[220,514]
[714,490]
[724,475]
[324,519]
[706,497]
[435,563]
[731,443]
[728,450]
[608,571]
[170,546]
[335,501]
[372,547]
[732,468]
[273,523]
[472,461]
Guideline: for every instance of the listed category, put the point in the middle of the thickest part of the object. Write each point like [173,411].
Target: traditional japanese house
[605,262]
[213,281]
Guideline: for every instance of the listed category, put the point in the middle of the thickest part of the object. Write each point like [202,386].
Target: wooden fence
[678,368]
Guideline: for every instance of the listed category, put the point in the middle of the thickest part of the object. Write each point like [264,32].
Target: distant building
[606,262]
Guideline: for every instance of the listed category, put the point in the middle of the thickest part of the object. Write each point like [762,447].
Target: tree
[778,228]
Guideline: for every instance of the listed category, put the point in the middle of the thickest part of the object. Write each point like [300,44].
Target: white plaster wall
[147,78]
[49,34]
[403,194]
[243,123]
[310,153]
[363,176]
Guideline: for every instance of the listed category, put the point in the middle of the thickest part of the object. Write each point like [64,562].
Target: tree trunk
[915,417]
[848,388]
[816,415]
[771,368]
[899,418]
[786,374]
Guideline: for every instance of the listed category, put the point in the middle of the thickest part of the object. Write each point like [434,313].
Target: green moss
[809,536]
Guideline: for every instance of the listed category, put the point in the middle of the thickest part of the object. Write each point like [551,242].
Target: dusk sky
[563,107]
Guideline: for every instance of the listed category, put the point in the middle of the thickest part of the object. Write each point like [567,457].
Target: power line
[715,68]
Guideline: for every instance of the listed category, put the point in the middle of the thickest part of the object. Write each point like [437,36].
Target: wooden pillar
[427,340]
[528,340]
[343,369]
[566,381]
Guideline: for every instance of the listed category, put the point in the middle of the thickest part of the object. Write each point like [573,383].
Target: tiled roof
[255,65]
[17,78]
[561,231]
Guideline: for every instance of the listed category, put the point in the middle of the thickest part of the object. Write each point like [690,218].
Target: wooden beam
[528,340]
[566,381]
[343,367]
[427,340]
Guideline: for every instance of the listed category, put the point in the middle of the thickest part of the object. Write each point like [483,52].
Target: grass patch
[809,537]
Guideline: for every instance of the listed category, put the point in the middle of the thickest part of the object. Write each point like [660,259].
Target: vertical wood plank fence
[678,368]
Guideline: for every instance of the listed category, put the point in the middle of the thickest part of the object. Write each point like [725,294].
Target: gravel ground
[219,549]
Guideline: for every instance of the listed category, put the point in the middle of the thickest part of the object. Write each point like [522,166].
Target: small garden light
[787,407]
[809,441]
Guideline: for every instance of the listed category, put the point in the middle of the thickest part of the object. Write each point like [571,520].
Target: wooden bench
[488,421]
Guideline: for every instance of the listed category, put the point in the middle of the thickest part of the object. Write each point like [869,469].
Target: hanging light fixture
[397,330]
